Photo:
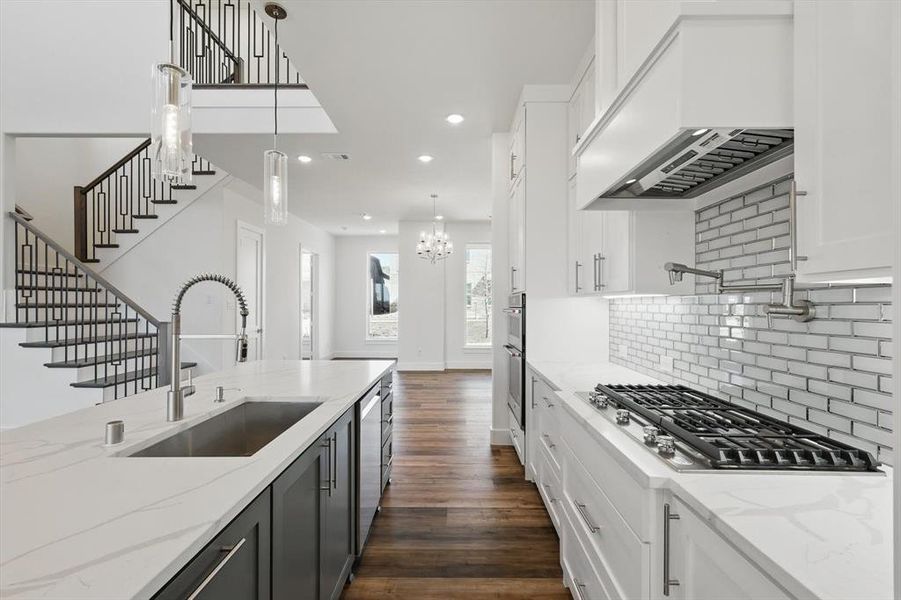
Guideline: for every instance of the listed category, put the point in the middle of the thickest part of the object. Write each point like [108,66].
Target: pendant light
[170,125]
[275,162]
[436,245]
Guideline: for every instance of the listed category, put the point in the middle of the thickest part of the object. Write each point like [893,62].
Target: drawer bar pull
[548,402]
[550,444]
[231,552]
[668,516]
[548,492]
[584,514]
[579,588]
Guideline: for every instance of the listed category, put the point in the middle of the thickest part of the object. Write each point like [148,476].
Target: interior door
[309,267]
[249,277]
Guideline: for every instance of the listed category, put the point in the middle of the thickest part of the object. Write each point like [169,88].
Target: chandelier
[434,246]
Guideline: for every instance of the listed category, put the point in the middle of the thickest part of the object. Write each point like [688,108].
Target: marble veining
[826,536]
[80,520]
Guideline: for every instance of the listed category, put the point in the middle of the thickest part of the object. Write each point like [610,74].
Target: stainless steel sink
[239,431]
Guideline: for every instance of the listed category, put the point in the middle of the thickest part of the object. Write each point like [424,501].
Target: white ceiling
[388,73]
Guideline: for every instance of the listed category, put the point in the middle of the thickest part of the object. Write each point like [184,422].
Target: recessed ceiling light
[366,217]
[439,217]
[699,132]
[426,158]
[631,181]
[454,119]
[304,158]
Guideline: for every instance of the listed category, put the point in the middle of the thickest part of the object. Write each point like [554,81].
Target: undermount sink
[239,431]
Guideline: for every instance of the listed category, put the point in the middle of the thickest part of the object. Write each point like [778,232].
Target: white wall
[202,238]
[351,296]
[500,263]
[457,355]
[48,168]
[420,344]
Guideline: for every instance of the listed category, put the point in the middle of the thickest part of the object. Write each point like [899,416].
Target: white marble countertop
[819,536]
[78,521]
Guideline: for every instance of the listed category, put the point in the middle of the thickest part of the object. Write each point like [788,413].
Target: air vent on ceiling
[335,156]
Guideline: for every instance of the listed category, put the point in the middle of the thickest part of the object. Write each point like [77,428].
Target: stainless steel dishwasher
[369,463]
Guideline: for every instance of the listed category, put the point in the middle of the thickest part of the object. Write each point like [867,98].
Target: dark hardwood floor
[458,519]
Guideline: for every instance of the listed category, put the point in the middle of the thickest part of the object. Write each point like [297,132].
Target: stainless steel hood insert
[697,161]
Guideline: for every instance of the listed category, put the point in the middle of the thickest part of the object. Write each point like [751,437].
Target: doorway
[249,263]
[309,308]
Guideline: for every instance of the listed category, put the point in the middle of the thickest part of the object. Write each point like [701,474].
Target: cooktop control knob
[650,434]
[598,399]
[622,416]
[666,445]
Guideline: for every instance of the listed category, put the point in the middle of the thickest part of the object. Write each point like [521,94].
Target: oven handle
[512,351]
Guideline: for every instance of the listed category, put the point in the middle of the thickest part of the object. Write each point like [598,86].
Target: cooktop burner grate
[734,437]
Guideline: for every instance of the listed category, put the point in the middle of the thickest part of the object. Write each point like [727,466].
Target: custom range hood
[711,103]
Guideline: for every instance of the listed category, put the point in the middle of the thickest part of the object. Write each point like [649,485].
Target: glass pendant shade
[275,187]
[170,126]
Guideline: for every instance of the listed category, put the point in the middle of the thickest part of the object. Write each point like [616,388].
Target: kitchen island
[83,520]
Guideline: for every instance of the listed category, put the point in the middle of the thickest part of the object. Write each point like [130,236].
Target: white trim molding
[500,437]
[420,366]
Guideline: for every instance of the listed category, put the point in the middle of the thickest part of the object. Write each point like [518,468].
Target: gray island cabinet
[297,536]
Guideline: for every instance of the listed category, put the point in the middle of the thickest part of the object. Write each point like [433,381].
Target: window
[383,296]
[478,295]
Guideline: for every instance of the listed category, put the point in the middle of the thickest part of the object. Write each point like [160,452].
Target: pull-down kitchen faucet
[799,310]
[175,400]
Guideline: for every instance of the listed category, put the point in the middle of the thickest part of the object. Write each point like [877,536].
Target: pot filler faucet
[799,310]
[175,400]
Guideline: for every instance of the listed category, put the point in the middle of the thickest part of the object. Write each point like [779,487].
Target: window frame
[367,308]
[467,346]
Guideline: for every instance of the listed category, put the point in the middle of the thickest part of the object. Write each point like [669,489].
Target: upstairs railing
[214,32]
[116,199]
[90,322]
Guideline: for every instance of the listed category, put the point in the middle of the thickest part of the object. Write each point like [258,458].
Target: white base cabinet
[704,565]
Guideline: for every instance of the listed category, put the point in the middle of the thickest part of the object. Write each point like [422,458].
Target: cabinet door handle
[793,194]
[595,261]
[335,470]
[328,470]
[668,516]
[231,552]
[579,587]
[512,279]
[578,287]
[584,514]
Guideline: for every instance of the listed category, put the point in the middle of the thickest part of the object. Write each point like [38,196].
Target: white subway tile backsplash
[831,375]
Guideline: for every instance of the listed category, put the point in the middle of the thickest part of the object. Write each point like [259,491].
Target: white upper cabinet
[843,142]
[516,236]
[581,108]
[518,145]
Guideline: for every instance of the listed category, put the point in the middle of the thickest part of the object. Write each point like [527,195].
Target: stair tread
[183,186]
[203,172]
[88,340]
[103,358]
[91,260]
[35,324]
[145,217]
[106,245]
[102,382]
[67,305]
[53,288]
[126,231]
[164,201]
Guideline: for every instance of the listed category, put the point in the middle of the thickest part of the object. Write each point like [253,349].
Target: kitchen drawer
[387,460]
[620,557]
[629,498]
[516,436]
[579,576]
[549,487]
[387,414]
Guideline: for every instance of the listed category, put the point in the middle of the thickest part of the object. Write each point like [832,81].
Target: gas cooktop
[691,430]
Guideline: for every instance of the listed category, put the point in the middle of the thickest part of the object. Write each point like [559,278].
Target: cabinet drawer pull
[547,438]
[579,587]
[231,552]
[584,514]
[550,496]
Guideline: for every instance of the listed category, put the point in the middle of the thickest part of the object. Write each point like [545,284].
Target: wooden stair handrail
[119,163]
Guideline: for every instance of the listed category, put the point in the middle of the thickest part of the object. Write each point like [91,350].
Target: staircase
[81,322]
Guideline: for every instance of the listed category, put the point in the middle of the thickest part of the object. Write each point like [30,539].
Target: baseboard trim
[470,365]
[365,354]
[420,366]
[500,437]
